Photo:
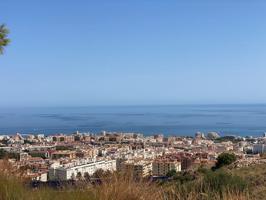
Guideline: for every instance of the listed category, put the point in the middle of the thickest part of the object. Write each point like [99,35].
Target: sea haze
[170,120]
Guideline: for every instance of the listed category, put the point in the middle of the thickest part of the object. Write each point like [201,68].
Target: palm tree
[4,41]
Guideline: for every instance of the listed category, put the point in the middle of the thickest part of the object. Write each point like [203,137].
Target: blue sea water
[170,120]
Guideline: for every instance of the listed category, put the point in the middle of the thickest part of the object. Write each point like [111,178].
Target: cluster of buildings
[80,155]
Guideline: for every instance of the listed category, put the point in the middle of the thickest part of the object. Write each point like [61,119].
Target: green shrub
[225,159]
[171,173]
[184,177]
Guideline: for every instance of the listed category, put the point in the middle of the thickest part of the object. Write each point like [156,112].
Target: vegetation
[247,183]
[225,159]
[206,184]
[37,154]
[184,177]
[62,148]
[202,184]
[171,173]
[118,188]
[11,155]
[4,41]
[219,181]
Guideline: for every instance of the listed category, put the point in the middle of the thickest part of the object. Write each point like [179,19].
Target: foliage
[118,188]
[87,176]
[171,173]
[4,41]
[37,154]
[219,181]
[206,185]
[79,176]
[62,148]
[101,174]
[11,155]
[225,159]
[184,177]
[98,173]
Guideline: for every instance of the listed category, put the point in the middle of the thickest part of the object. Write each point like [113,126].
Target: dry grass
[256,177]
[116,188]
[124,187]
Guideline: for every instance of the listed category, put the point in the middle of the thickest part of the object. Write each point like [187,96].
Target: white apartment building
[71,171]
[259,148]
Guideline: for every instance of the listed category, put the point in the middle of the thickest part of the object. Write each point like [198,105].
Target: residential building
[71,170]
[140,169]
[161,167]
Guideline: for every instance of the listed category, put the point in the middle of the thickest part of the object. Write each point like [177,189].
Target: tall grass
[217,185]
[118,187]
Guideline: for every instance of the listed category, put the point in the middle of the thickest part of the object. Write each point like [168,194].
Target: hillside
[236,184]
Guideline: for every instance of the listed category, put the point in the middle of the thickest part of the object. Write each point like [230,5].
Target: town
[64,157]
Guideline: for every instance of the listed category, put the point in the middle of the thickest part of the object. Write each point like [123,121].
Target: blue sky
[76,53]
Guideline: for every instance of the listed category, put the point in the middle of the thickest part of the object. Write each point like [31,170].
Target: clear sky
[131,52]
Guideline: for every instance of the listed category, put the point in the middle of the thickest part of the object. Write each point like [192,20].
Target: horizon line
[135,105]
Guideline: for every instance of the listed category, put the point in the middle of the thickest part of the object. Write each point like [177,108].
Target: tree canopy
[4,40]
[225,159]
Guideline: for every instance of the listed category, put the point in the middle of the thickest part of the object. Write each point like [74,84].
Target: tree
[79,176]
[225,159]
[171,173]
[107,174]
[3,154]
[73,177]
[4,41]
[99,173]
[10,155]
[87,176]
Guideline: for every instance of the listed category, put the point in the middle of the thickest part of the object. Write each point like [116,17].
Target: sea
[179,120]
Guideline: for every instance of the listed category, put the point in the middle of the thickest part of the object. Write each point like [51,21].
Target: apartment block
[139,169]
[161,167]
[71,170]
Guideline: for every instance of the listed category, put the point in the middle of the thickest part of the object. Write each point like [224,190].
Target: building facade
[64,173]
[162,167]
[140,169]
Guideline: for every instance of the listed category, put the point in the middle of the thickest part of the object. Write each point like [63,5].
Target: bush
[225,159]
[184,177]
[11,155]
[171,173]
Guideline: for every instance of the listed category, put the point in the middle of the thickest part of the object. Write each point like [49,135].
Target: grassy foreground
[247,183]
[205,185]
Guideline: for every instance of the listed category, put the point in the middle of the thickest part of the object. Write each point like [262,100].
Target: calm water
[170,120]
